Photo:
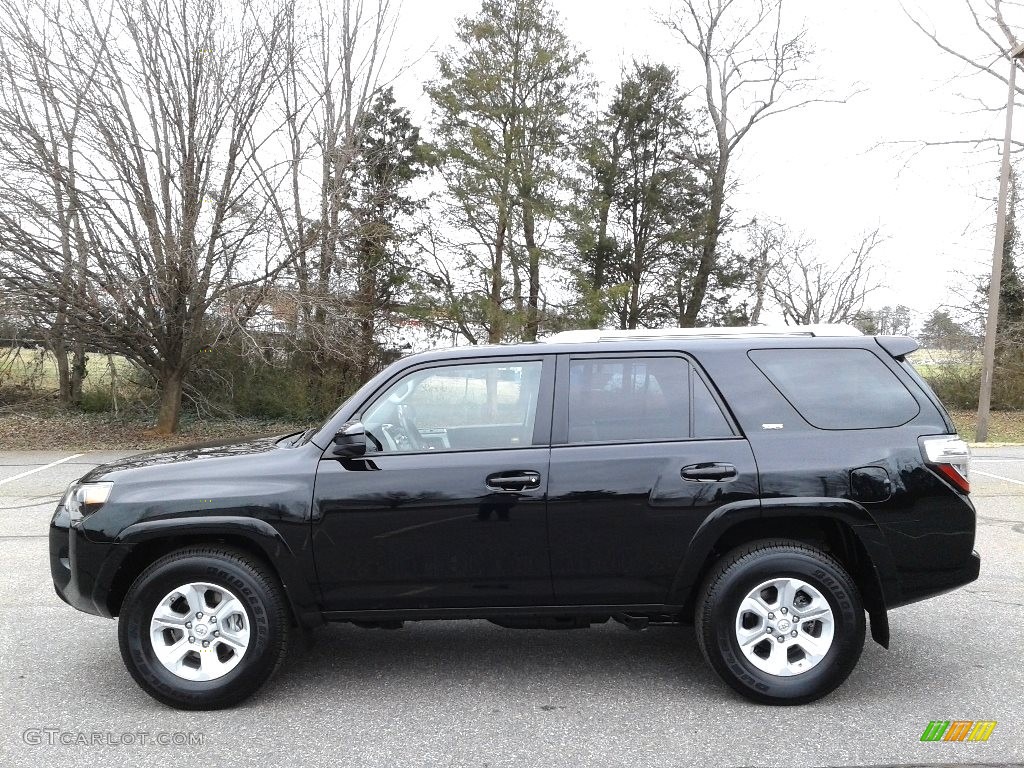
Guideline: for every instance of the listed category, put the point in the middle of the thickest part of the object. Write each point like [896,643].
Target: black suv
[771,487]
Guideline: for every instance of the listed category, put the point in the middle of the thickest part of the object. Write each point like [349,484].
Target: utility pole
[992,323]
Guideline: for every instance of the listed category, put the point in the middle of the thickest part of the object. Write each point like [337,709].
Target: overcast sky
[828,170]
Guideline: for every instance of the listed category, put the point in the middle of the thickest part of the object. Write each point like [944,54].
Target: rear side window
[708,419]
[838,388]
[624,399]
[640,399]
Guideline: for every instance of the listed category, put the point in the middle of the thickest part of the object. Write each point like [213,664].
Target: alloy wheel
[199,631]
[785,626]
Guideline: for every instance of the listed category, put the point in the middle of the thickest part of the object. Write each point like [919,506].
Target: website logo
[958,730]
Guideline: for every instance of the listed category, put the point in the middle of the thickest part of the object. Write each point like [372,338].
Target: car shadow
[610,654]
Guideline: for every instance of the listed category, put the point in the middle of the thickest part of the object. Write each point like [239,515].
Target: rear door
[642,451]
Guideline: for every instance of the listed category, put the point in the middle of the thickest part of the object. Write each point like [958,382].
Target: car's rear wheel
[780,621]
[203,628]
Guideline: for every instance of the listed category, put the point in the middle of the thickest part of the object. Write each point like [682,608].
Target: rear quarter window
[838,388]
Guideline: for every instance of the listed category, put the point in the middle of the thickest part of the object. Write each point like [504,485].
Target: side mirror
[350,440]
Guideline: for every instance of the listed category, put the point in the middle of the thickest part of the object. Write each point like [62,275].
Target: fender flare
[259,533]
[881,575]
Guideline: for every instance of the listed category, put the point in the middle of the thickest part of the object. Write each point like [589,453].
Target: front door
[447,508]
[642,452]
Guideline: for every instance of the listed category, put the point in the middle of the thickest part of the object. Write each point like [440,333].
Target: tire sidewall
[256,664]
[848,614]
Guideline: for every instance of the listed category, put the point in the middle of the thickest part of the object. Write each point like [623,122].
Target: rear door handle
[515,480]
[709,472]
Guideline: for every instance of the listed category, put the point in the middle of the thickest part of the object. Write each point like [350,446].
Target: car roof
[671,339]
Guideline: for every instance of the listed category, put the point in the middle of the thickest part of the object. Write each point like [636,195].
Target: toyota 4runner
[769,487]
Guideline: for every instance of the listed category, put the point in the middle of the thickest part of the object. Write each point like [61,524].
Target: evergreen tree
[639,221]
[390,156]
[505,103]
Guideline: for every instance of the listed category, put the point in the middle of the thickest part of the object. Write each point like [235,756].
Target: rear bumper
[82,570]
[920,585]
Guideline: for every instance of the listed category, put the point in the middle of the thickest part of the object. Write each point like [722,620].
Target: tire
[736,600]
[219,582]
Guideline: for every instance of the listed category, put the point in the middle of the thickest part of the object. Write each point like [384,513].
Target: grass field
[1004,426]
[53,427]
[34,372]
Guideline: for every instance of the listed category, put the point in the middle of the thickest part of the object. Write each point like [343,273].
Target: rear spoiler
[898,346]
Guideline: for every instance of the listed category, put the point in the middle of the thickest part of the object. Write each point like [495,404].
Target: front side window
[457,407]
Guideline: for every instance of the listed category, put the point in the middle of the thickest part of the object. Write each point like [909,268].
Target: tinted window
[838,388]
[458,407]
[708,419]
[628,399]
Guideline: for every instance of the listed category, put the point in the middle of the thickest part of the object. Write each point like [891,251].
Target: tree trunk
[77,372]
[633,316]
[709,246]
[762,268]
[602,249]
[170,402]
[533,256]
[494,331]
[367,298]
[60,353]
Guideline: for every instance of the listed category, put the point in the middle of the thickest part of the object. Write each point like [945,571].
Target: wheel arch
[152,540]
[840,527]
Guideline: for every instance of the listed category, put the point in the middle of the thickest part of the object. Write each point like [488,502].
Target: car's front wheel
[780,621]
[203,628]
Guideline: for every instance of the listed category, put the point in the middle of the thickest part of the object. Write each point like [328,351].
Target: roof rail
[595,334]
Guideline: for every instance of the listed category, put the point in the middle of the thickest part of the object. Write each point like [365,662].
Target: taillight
[950,457]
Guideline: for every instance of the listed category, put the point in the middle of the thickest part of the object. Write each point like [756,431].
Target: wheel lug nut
[188,625]
[191,639]
[795,617]
[793,633]
[199,615]
[781,638]
[785,610]
[216,634]
[770,630]
[213,619]
[205,643]
[771,615]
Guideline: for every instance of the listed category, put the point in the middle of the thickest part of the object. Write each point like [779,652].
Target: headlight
[84,499]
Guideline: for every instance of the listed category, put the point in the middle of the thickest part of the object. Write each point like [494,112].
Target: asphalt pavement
[473,694]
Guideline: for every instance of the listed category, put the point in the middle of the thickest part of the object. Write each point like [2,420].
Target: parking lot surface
[473,694]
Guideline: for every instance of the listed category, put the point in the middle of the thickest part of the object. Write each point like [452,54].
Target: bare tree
[333,71]
[767,242]
[809,290]
[752,69]
[996,38]
[38,134]
[158,176]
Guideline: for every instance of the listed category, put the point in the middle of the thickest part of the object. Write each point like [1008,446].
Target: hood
[184,454]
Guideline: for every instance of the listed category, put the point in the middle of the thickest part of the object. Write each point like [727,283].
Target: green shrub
[957,385]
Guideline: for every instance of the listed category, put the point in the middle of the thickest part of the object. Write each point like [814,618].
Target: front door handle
[515,480]
[709,472]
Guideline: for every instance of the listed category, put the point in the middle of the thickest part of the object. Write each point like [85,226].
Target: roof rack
[595,334]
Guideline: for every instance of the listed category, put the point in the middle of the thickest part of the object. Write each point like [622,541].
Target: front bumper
[83,571]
